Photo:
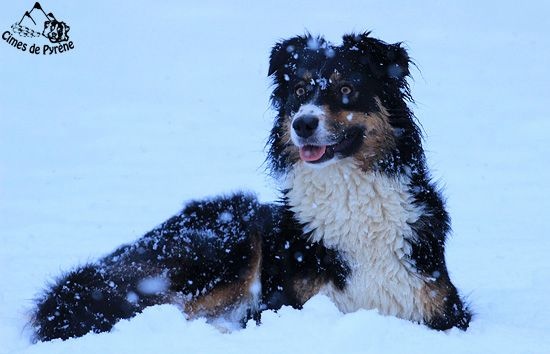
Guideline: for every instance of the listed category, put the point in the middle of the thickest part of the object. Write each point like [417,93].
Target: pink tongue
[312,153]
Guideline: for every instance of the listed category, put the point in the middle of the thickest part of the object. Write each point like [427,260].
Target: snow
[225,217]
[101,144]
[153,285]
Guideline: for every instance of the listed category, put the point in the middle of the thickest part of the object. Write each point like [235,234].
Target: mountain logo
[38,25]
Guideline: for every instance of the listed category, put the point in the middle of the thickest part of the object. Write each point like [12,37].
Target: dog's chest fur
[366,217]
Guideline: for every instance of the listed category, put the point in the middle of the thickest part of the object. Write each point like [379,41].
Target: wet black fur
[209,243]
[205,246]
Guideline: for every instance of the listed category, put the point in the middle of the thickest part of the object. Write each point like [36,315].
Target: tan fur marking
[286,142]
[216,302]
[223,299]
[334,77]
[378,137]
[433,296]
[307,77]
[306,288]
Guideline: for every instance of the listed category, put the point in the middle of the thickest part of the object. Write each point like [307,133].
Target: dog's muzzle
[309,135]
[305,126]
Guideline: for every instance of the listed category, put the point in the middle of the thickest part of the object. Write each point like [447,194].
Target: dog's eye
[300,91]
[345,90]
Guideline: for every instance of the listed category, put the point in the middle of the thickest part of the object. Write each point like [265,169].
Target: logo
[37,27]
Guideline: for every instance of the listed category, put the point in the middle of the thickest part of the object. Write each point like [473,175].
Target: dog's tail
[86,299]
[92,298]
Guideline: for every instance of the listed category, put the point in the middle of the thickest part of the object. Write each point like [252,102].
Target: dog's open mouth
[347,146]
[312,153]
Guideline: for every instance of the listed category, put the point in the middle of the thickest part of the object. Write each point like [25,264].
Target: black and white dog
[359,219]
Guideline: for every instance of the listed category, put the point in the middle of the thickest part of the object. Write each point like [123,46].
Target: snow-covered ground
[161,102]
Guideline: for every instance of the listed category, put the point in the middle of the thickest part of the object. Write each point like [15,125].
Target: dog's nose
[305,125]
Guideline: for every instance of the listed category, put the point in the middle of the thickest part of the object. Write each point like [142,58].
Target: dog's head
[338,102]
[56,31]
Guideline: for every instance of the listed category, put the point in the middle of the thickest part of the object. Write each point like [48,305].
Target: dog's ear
[283,51]
[383,59]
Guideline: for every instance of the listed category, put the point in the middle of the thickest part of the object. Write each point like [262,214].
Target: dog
[56,31]
[359,219]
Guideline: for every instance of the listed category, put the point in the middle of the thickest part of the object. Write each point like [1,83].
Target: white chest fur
[365,216]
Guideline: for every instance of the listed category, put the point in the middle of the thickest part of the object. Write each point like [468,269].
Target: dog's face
[56,31]
[333,101]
